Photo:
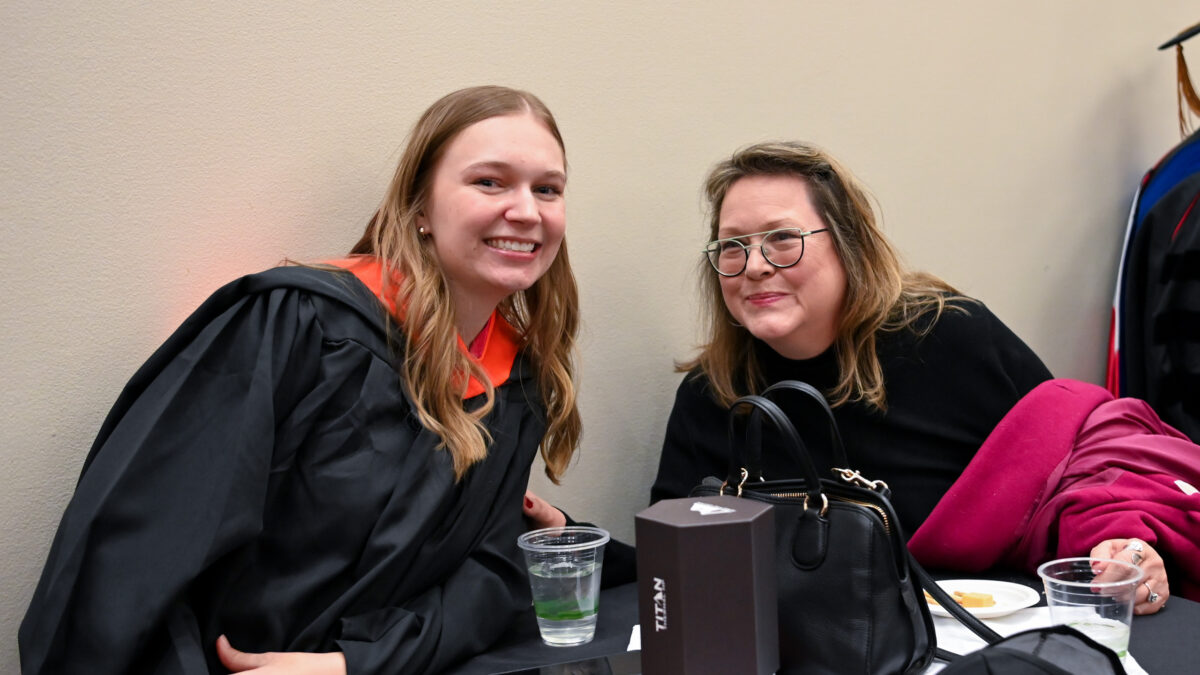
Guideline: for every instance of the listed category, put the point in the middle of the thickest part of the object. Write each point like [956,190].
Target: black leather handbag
[849,597]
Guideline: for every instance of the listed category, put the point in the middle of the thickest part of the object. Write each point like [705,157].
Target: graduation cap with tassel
[1184,90]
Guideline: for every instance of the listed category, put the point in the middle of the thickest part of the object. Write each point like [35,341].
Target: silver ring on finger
[1137,558]
[1135,545]
[1153,597]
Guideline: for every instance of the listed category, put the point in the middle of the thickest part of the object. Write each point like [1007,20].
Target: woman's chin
[507,282]
[770,332]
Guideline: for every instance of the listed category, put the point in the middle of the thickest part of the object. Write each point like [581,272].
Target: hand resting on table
[1153,569]
[539,513]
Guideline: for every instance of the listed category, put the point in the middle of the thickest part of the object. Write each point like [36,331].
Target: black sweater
[945,393]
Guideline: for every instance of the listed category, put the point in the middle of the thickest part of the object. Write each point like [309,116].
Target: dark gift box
[706,587]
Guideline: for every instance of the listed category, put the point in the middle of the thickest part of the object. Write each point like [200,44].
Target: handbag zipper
[887,527]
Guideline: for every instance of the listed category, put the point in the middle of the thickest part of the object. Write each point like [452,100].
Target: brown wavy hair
[546,315]
[880,294]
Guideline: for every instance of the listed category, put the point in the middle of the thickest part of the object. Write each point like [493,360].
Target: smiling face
[794,310]
[495,211]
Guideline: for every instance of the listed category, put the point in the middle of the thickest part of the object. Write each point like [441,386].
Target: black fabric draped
[262,476]
[1162,316]
[945,393]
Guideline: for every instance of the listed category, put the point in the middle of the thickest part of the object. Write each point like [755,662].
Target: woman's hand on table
[280,663]
[541,514]
[1154,580]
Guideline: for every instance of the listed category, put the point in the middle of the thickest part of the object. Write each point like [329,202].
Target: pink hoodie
[1067,468]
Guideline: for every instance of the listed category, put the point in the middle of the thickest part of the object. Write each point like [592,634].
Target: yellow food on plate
[974,599]
[967,599]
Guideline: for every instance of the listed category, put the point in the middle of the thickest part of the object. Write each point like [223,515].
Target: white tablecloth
[954,637]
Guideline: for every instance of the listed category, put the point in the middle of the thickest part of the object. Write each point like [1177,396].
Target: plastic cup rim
[526,543]
[1136,579]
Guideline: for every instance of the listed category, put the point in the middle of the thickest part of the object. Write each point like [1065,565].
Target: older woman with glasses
[801,284]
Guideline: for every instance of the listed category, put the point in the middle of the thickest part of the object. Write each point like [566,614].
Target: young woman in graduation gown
[800,283]
[322,470]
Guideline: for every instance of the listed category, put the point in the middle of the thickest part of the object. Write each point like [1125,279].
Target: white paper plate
[1009,596]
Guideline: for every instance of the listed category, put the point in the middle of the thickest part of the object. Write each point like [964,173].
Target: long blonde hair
[880,294]
[546,315]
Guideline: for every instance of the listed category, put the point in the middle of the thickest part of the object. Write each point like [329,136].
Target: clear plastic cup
[1094,596]
[564,566]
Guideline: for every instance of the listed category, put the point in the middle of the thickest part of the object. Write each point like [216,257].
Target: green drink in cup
[564,566]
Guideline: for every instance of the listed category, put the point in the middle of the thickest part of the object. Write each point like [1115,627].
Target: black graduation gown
[263,476]
[945,393]
[1161,349]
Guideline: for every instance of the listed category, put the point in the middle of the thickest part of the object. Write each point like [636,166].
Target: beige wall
[151,152]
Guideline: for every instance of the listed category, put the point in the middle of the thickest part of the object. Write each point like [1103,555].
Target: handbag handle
[751,459]
[835,435]
[763,406]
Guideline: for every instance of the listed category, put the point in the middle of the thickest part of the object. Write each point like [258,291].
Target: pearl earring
[421,230]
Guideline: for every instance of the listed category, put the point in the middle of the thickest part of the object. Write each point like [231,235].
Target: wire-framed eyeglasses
[782,248]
